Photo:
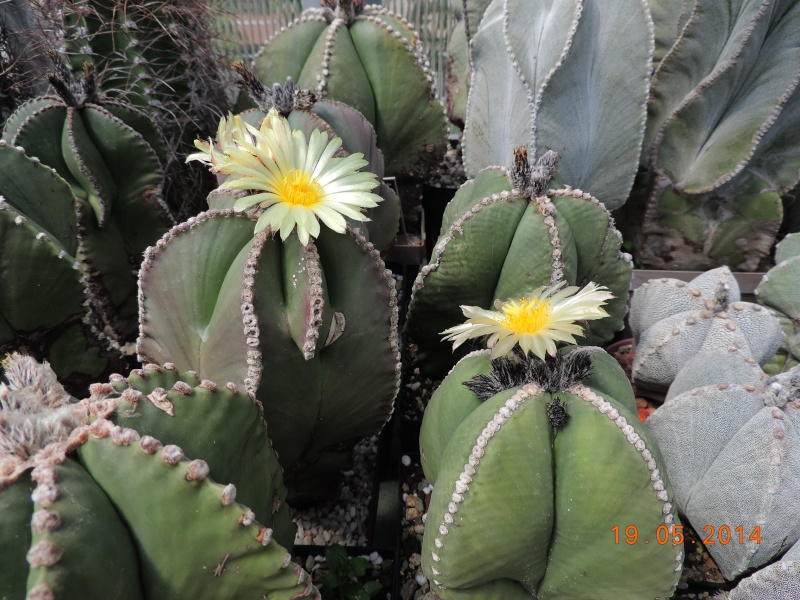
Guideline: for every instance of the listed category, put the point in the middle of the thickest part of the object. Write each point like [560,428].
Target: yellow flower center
[298,188]
[525,316]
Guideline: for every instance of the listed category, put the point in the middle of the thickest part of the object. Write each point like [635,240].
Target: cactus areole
[535,463]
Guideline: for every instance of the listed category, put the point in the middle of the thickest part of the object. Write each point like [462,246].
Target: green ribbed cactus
[111,155]
[778,292]
[503,235]
[307,113]
[45,307]
[311,330]
[535,463]
[458,58]
[371,59]
[94,509]
[721,145]
[672,320]
[560,76]
[729,437]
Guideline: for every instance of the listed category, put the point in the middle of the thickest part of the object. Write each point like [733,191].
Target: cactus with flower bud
[95,509]
[371,59]
[506,233]
[304,312]
[111,156]
[672,320]
[729,437]
[567,418]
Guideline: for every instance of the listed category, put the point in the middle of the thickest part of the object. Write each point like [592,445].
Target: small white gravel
[342,520]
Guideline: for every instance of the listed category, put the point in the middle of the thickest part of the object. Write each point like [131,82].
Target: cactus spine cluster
[100,510]
[534,462]
[371,59]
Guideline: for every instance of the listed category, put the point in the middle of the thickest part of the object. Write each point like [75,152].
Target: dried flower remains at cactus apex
[297,180]
[535,322]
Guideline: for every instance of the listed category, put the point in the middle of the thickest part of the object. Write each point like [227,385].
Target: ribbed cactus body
[778,580]
[43,299]
[113,512]
[310,330]
[721,136]
[525,499]
[372,60]
[673,320]
[499,243]
[728,434]
[111,157]
[778,292]
[558,76]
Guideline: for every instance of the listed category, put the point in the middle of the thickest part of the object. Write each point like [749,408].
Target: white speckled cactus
[778,580]
[673,320]
[730,435]
[779,292]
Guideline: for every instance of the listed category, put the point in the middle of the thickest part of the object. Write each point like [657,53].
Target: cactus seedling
[371,59]
[506,233]
[672,320]
[101,511]
[544,530]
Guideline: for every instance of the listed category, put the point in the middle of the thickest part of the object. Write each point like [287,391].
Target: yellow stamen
[526,316]
[298,188]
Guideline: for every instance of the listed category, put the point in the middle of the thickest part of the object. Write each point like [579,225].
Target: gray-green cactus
[729,434]
[559,76]
[778,292]
[371,59]
[44,300]
[458,57]
[536,464]
[306,112]
[778,580]
[503,235]
[672,320]
[311,330]
[111,155]
[721,145]
[98,510]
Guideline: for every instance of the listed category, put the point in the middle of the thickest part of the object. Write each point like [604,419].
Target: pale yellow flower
[297,180]
[535,322]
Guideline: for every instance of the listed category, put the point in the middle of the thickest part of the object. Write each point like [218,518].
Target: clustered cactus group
[164,482]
